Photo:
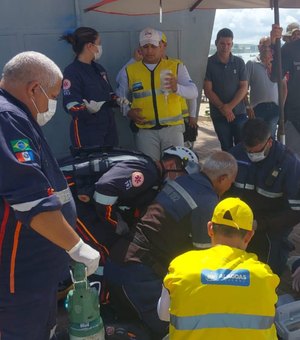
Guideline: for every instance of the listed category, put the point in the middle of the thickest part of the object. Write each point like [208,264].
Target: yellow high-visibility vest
[221,293]
[147,94]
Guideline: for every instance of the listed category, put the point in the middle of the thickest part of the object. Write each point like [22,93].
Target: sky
[249,25]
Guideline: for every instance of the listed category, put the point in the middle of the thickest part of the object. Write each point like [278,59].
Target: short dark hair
[255,131]
[227,231]
[224,33]
[80,37]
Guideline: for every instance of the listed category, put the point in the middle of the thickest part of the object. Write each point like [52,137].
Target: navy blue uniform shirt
[174,223]
[30,183]
[89,82]
[272,186]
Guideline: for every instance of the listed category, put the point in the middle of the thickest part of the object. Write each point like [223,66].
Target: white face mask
[43,118]
[98,55]
[256,156]
[261,155]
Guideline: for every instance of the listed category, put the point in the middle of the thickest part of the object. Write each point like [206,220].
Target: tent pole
[279,77]
[195,5]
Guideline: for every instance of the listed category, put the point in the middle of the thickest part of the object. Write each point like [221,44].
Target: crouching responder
[222,292]
[131,185]
[268,180]
[37,212]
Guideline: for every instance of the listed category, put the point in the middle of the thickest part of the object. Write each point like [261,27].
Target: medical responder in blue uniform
[124,191]
[121,183]
[87,93]
[37,211]
[268,180]
[174,223]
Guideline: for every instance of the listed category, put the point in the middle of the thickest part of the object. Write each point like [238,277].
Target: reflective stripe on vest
[64,196]
[145,88]
[261,191]
[145,94]
[184,108]
[104,199]
[166,120]
[239,321]
[184,194]
[71,104]
[294,204]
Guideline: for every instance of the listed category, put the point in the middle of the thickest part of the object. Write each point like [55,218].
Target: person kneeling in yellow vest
[222,292]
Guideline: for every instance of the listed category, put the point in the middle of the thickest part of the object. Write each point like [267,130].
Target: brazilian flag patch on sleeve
[20,145]
[22,150]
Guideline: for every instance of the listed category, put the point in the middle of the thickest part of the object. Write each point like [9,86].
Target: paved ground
[207,141]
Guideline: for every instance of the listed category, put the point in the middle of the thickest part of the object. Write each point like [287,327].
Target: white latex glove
[124,104]
[123,101]
[93,106]
[85,254]
[296,280]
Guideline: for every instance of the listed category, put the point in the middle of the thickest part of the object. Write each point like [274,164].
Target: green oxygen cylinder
[83,307]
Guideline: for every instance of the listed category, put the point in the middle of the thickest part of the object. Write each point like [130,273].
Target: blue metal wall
[37,25]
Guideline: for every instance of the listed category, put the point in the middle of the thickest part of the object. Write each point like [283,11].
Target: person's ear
[248,236]
[210,230]
[31,88]
[221,178]
[270,141]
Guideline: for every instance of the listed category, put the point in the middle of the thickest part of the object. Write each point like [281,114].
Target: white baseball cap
[149,36]
[291,28]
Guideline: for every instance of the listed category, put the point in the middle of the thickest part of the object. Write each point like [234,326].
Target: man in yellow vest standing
[222,292]
[156,86]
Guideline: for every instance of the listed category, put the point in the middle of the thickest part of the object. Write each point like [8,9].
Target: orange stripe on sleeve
[81,224]
[108,215]
[13,257]
[76,131]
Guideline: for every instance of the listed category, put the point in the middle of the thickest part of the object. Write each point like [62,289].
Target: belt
[158,127]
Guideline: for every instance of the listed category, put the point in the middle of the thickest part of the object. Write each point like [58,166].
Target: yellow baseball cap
[233,212]
[163,38]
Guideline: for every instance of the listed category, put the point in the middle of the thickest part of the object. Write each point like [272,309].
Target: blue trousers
[229,134]
[141,287]
[29,316]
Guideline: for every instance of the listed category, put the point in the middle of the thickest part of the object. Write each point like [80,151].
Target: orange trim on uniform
[3,225]
[78,108]
[13,257]
[87,231]
[81,224]
[108,215]
[76,132]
